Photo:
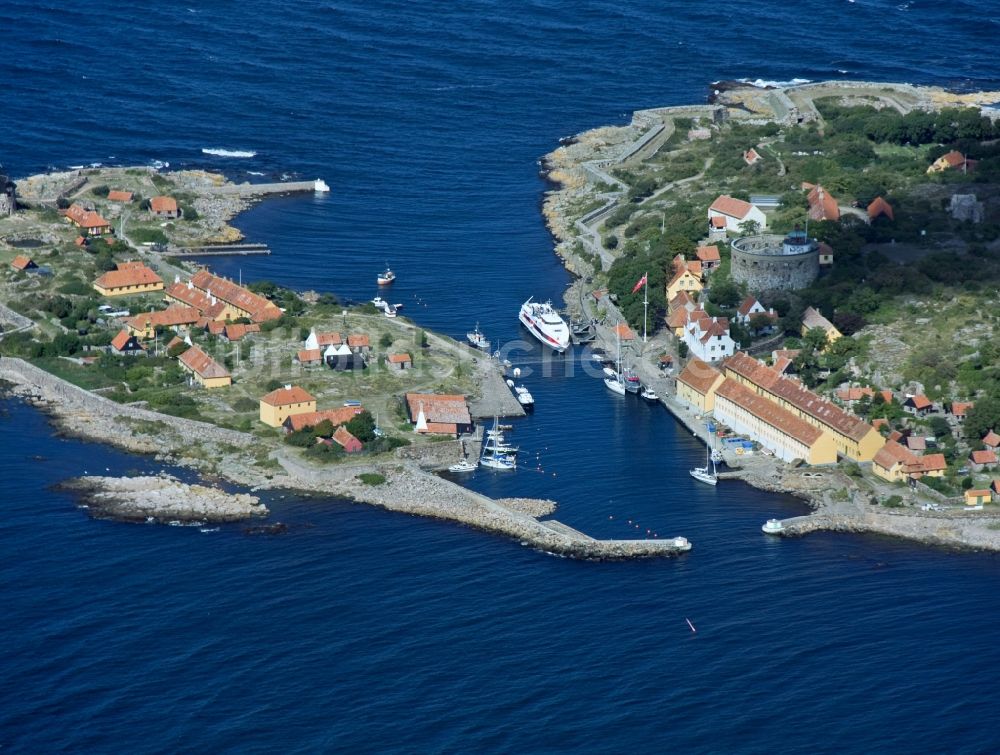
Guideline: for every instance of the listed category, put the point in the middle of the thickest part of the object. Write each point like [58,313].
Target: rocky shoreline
[162,498]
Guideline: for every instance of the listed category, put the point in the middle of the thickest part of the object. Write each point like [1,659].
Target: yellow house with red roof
[280,404]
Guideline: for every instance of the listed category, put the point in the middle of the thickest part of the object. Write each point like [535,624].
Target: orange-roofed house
[336,417]
[734,212]
[164,207]
[310,357]
[127,279]
[896,463]
[980,460]
[953,160]
[321,340]
[280,404]
[717,228]
[23,262]
[878,208]
[239,301]
[624,332]
[709,257]
[126,344]
[359,343]
[189,296]
[708,337]
[119,196]
[933,465]
[961,408]
[977,497]
[991,440]
[752,156]
[751,309]
[237,331]
[995,490]
[438,414]
[918,406]
[776,428]
[399,362]
[144,325]
[204,370]
[696,385]
[87,220]
[343,438]
[822,205]
[683,280]
[812,318]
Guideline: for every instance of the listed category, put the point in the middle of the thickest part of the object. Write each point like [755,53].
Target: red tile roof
[877,423]
[892,453]
[878,207]
[717,222]
[752,370]
[854,393]
[358,339]
[120,196]
[286,396]
[983,457]
[920,401]
[991,439]
[336,417]
[194,297]
[202,364]
[916,443]
[699,376]
[933,463]
[163,205]
[708,253]
[22,262]
[441,408]
[751,156]
[259,308]
[961,408]
[399,358]
[328,339]
[169,317]
[121,340]
[734,208]
[85,218]
[822,206]
[624,332]
[953,158]
[310,355]
[344,438]
[769,412]
[128,274]
[235,331]
[747,304]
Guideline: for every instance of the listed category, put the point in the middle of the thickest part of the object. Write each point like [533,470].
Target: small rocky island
[162,498]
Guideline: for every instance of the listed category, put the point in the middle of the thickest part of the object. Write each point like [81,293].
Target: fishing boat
[702,474]
[380,303]
[464,465]
[386,277]
[477,339]
[545,324]
[649,394]
[631,380]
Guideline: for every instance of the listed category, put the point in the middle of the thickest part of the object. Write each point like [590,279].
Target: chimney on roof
[421,425]
[213,298]
[177,279]
[190,284]
[288,386]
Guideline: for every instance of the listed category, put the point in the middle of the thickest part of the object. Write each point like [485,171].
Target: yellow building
[683,280]
[855,439]
[811,318]
[205,371]
[697,383]
[977,497]
[788,436]
[279,405]
[128,278]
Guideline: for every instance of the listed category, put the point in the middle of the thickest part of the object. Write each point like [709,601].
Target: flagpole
[645,303]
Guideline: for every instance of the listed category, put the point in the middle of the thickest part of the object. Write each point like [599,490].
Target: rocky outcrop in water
[162,498]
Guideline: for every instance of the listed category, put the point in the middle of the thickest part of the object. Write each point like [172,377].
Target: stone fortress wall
[769,262]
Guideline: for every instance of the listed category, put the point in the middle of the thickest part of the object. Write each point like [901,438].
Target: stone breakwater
[408,488]
[162,498]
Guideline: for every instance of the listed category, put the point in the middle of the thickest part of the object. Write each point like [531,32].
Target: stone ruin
[965,207]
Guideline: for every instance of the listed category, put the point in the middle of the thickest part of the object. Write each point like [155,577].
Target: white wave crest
[219,152]
[766,83]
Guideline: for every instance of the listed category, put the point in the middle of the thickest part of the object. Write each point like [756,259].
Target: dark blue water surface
[366,630]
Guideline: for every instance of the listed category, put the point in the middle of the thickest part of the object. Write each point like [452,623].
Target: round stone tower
[768,262]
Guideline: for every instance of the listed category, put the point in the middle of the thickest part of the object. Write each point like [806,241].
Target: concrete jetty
[259,190]
[496,399]
[218,250]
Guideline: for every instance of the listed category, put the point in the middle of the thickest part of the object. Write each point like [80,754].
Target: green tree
[815,339]
[982,417]
[362,426]
[749,228]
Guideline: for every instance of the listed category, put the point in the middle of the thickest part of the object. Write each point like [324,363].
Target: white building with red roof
[734,212]
[708,337]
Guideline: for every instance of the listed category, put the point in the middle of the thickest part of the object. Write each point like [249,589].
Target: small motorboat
[386,277]
[649,394]
[632,382]
[380,303]
[773,527]
[389,310]
[464,465]
[524,397]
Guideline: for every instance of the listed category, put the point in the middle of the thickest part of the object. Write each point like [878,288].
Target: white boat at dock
[464,465]
[649,394]
[615,386]
[389,310]
[477,339]
[614,382]
[496,453]
[380,303]
[386,277]
[523,395]
[545,324]
[702,474]
[610,372]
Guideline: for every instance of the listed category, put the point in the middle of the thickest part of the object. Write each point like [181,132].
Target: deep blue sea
[362,630]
